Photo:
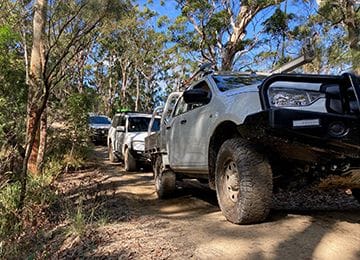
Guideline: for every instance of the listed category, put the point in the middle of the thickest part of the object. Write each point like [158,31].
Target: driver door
[176,144]
[189,133]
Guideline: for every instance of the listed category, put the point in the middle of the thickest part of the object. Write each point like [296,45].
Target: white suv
[126,138]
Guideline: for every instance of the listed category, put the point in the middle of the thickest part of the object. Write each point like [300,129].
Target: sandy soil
[304,225]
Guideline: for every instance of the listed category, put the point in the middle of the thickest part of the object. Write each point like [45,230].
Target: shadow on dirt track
[302,202]
[190,225]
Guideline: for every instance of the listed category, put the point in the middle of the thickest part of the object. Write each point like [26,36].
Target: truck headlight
[283,97]
[138,146]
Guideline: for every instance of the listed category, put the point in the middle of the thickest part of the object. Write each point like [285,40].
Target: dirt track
[191,225]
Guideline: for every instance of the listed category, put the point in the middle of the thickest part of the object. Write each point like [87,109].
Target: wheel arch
[224,131]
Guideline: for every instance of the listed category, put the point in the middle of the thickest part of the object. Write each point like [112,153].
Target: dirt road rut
[190,225]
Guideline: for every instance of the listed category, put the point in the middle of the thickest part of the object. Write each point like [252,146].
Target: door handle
[168,127]
[183,122]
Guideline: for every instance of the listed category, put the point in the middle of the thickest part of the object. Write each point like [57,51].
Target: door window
[181,107]
[204,86]
[169,109]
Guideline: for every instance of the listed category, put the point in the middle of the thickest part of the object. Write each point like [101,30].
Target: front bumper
[305,135]
[99,134]
[140,156]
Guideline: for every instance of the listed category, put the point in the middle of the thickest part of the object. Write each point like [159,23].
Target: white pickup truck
[251,134]
[126,136]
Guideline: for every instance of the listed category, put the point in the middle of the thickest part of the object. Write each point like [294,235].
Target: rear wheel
[129,161]
[112,156]
[356,194]
[165,180]
[243,181]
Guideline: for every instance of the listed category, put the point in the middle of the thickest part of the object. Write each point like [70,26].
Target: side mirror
[120,129]
[196,96]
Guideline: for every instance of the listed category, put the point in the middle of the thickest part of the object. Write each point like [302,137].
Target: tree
[61,30]
[220,28]
[346,14]
[131,60]
[278,29]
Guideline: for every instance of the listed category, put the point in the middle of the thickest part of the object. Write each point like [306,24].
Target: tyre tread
[255,183]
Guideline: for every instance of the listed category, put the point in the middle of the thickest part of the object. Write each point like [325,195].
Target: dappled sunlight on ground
[136,225]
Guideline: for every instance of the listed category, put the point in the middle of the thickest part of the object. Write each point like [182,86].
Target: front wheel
[243,181]
[356,194]
[129,161]
[165,180]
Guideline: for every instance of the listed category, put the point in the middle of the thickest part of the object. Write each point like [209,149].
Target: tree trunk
[246,13]
[109,99]
[137,92]
[37,87]
[233,46]
[37,96]
[124,85]
[228,58]
[81,76]
[42,142]
[32,126]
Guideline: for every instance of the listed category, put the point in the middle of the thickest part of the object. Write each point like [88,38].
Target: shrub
[9,220]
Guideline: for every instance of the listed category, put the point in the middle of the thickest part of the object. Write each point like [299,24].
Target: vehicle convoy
[250,135]
[126,138]
[99,126]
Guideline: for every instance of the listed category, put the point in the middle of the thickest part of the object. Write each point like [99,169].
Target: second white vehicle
[126,138]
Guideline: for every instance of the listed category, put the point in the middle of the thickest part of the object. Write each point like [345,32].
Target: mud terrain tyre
[243,180]
[356,194]
[165,180]
[112,157]
[129,161]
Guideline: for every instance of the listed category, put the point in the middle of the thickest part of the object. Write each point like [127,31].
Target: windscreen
[99,120]
[139,124]
[225,83]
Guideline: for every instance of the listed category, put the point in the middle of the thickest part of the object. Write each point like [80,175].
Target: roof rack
[130,112]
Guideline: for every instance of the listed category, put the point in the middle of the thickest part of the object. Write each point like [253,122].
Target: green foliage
[9,223]
[134,52]
[78,106]
[83,216]
[13,93]
[345,16]
[216,31]
[278,23]
[162,21]
[78,220]
[77,157]
[76,147]
[7,36]
[13,90]
[40,196]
